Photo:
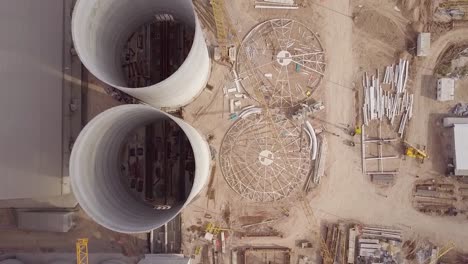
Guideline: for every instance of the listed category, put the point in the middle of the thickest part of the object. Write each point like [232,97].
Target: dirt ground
[357,37]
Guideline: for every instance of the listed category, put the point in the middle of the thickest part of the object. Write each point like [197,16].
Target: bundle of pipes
[389,103]
[276,4]
[397,76]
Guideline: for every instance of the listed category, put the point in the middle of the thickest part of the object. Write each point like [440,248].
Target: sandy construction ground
[357,36]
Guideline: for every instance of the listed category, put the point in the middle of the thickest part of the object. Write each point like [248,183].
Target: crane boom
[82,251]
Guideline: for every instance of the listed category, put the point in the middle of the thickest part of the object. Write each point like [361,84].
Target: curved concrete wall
[95,170]
[100,29]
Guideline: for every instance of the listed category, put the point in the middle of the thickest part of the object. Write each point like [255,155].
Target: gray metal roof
[461,148]
[31,98]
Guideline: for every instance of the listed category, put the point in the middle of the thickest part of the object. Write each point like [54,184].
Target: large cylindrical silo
[101,29]
[96,174]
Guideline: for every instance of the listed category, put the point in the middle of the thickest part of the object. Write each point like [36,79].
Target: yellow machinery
[198,250]
[414,152]
[213,229]
[82,251]
[358,130]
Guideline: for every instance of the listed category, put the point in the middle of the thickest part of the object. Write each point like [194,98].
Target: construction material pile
[335,241]
[387,97]
[378,245]
[460,109]
[440,198]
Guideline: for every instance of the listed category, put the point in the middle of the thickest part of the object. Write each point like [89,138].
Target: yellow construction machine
[414,152]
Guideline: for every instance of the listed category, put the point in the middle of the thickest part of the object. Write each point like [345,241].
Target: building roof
[461,148]
[31,77]
[424,44]
[445,89]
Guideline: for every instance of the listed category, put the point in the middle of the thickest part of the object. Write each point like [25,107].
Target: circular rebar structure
[265,159]
[281,60]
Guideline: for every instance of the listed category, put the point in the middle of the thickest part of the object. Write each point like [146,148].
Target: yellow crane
[82,251]
[324,250]
[440,253]
[226,37]
[220,23]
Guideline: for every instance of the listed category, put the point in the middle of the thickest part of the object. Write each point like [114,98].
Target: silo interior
[133,43]
[133,168]
[156,50]
[157,164]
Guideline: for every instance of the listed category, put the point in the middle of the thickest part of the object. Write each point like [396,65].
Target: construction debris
[460,109]
[454,9]
[453,63]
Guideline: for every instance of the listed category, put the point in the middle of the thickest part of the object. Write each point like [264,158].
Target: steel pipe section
[95,170]
[100,29]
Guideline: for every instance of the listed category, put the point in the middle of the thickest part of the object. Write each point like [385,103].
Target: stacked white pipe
[392,103]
